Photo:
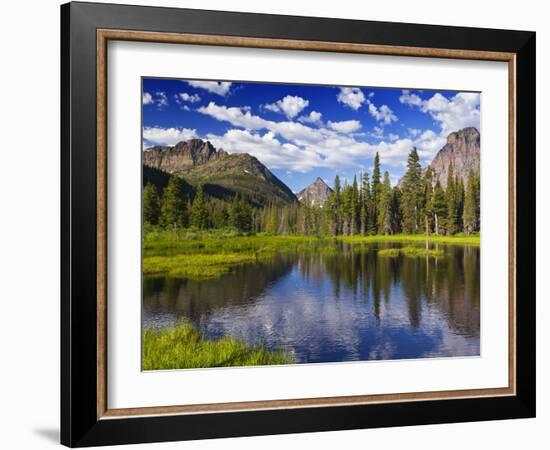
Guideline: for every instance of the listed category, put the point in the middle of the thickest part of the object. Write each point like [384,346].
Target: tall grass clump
[183,347]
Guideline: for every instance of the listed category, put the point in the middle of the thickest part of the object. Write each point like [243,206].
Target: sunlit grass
[195,266]
[199,255]
[183,347]
[412,252]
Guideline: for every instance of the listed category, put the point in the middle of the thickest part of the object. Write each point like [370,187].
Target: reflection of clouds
[303,315]
[294,318]
[334,309]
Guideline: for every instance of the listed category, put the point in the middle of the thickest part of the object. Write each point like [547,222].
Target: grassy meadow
[209,254]
[183,347]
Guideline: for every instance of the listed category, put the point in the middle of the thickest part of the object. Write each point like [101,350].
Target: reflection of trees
[192,299]
[447,285]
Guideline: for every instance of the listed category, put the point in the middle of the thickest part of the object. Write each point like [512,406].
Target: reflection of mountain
[338,306]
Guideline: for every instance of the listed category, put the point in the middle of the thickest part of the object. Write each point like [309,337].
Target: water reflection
[335,306]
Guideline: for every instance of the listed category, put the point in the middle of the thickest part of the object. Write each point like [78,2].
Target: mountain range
[223,174]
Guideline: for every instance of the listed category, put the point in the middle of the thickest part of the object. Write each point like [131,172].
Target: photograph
[299,224]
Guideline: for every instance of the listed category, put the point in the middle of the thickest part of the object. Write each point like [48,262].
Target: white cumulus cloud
[147,98]
[345,126]
[290,106]
[352,97]
[460,111]
[383,114]
[215,87]
[314,117]
[167,136]
[191,98]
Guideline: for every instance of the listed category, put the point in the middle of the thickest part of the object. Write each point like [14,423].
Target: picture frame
[86,418]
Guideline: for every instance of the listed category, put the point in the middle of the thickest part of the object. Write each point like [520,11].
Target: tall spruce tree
[151,204]
[365,204]
[240,214]
[452,203]
[470,217]
[439,208]
[355,208]
[375,194]
[199,213]
[412,194]
[174,210]
[385,206]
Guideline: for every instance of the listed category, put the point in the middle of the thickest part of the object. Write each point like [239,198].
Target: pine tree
[459,184]
[384,206]
[199,213]
[151,205]
[346,210]
[375,194]
[412,194]
[240,215]
[333,207]
[355,208]
[439,208]
[174,210]
[272,222]
[470,217]
[365,204]
[452,207]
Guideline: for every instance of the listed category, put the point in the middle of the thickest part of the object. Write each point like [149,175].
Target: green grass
[458,239]
[195,266]
[183,347]
[411,252]
[209,254]
[389,252]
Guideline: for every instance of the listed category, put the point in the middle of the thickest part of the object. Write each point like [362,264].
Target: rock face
[223,175]
[461,151]
[316,193]
[181,156]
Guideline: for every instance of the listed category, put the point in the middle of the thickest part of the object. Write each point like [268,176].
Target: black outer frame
[79,424]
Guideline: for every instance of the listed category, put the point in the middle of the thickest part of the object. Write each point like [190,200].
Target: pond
[348,305]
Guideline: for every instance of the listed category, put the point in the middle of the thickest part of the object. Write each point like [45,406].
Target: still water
[349,305]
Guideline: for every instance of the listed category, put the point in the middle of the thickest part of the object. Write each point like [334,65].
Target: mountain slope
[316,194]
[462,151]
[223,175]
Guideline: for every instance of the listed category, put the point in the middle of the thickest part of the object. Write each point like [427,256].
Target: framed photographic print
[276,224]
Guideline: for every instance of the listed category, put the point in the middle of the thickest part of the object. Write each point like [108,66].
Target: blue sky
[301,132]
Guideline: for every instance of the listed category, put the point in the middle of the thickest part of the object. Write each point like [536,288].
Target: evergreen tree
[346,209]
[459,184]
[375,194]
[240,215]
[333,207]
[272,222]
[477,186]
[365,204]
[151,205]
[439,208]
[396,216]
[470,216]
[412,194]
[384,206]
[199,213]
[452,203]
[355,208]
[174,210]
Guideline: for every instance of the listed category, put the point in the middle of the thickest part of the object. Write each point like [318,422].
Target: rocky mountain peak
[462,151]
[183,155]
[316,193]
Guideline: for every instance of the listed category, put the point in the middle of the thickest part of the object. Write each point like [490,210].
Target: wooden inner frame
[104,35]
